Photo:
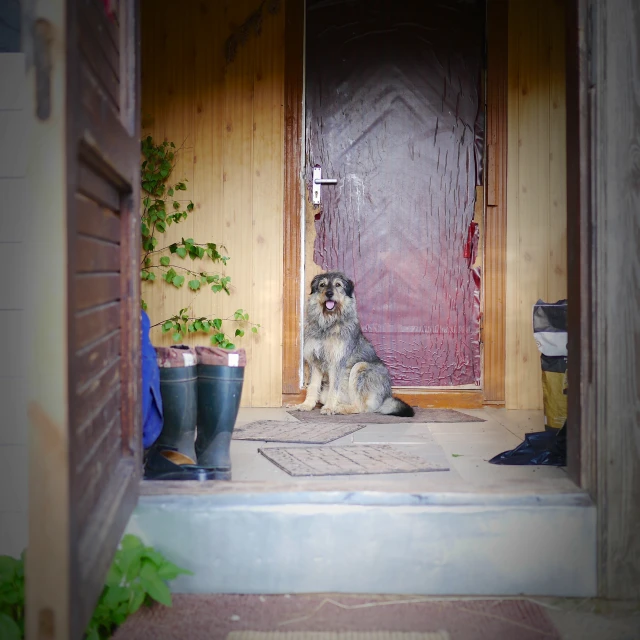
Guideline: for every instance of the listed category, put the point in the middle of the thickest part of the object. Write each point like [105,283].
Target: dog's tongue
[330,304]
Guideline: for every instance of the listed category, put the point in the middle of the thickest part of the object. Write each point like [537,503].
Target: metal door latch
[319,180]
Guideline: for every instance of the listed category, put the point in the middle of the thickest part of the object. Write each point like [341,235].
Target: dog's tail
[396,407]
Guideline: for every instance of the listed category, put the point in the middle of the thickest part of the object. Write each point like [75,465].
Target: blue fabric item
[151,398]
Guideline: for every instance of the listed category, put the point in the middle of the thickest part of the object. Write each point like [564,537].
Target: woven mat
[288,431]
[337,635]
[347,460]
[422,415]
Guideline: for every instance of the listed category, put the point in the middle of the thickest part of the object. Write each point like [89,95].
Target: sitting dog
[346,374]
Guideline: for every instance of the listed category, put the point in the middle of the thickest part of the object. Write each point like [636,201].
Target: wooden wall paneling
[533,182]
[208,125]
[495,255]
[513,206]
[536,227]
[293,249]
[202,98]
[237,180]
[557,205]
[616,294]
[267,223]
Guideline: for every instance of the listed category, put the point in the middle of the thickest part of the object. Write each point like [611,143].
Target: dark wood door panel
[104,303]
[394,113]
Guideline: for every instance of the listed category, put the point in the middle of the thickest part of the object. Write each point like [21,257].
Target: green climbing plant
[185,262]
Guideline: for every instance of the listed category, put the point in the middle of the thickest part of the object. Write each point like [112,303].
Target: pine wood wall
[228,114]
[536,186]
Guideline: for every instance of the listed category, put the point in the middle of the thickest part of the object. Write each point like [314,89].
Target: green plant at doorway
[162,206]
[138,577]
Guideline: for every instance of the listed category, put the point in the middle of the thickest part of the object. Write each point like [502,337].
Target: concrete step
[375,542]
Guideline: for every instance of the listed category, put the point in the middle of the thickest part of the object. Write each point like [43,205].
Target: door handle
[318,180]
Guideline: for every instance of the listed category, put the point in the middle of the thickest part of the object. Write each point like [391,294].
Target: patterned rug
[422,415]
[347,460]
[299,432]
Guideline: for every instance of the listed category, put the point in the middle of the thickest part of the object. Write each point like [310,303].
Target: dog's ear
[348,287]
[315,283]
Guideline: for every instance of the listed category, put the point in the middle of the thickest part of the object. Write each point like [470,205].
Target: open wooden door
[84,330]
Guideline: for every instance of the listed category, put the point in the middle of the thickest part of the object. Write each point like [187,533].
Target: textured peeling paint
[393,113]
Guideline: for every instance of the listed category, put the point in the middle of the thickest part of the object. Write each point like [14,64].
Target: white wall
[13,422]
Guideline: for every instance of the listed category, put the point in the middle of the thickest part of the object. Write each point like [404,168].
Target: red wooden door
[393,112]
[85,456]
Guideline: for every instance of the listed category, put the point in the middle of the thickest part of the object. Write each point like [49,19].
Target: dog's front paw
[327,410]
[301,407]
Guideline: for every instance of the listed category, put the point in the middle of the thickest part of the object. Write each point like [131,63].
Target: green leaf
[148,570]
[194,284]
[170,192]
[9,630]
[129,541]
[159,591]
[144,305]
[8,568]
[173,247]
[177,281]
[167,326]
[161,226]
[170,571]
[177,337]
[182,252]
[217,323]
[136,600]
[456,455]
[114,576]
[129,561]
[229,345]
[151,276]
[190,207]
[165,260]
[92,634]
[254,329]
[115,595]
[239,332]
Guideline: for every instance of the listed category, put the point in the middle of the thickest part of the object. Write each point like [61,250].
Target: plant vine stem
[158,324]
[195,244]
[176,266]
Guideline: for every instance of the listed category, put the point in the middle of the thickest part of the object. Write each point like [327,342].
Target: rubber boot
[179,389]
[220,379]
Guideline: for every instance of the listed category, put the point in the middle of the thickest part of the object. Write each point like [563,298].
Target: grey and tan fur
[346,374]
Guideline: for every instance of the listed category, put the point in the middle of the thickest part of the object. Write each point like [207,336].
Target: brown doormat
[347,460]
[213,617]
[337,635]
[422,415]
[288,431]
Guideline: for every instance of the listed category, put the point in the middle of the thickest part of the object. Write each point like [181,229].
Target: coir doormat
[336,635]
[347,460]
[299,432]
[422,415]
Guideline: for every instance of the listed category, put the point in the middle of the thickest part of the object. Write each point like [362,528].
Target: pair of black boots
[201,390]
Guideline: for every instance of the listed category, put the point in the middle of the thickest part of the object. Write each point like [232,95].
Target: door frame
[493,318]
